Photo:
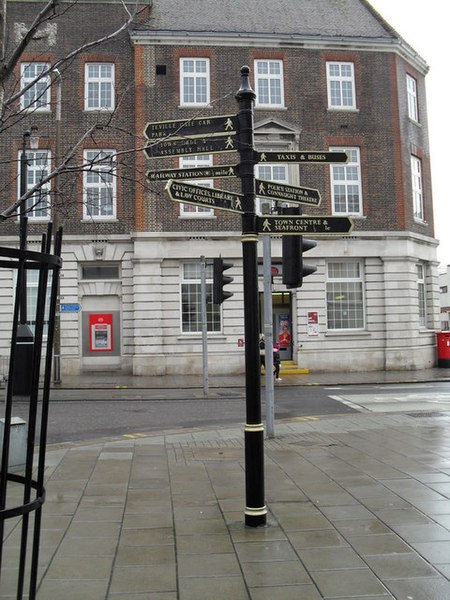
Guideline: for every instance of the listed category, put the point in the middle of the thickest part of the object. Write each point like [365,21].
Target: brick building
[327,75]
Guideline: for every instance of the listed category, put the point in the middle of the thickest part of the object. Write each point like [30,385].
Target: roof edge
[309,42]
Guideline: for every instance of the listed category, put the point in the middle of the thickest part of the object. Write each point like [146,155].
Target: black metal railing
[22,494]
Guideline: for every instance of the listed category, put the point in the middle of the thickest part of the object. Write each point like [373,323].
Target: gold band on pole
[250,237]
[256,427]
[255,512]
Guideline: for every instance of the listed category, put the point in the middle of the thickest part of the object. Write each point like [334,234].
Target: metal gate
[22,493]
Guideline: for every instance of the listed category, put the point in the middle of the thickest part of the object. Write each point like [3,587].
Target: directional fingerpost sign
[288,193]
[298,225]
[192,173]
[303,156]
[181,147]
[199,195]
[222,124]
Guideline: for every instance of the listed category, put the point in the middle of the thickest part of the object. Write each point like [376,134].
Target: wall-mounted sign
[313,323]
[70,307]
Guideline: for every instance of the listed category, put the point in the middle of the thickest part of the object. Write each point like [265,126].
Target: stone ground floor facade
[131,304]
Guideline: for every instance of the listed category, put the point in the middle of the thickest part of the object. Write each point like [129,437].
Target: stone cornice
[249,40]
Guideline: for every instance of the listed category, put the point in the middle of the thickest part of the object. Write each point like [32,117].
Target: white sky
[425,26]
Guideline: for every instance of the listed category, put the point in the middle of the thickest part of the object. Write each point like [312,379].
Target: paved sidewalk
[359,507]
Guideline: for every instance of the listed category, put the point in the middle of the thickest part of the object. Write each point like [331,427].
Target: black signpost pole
[255,508]
[227,141]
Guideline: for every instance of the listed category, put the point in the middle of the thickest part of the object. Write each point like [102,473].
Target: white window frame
[190,301]
[417,188]
[95,87]
[341,86]
[101,177]
[37,97]
[269,74]
[411,91]
[190,211]
[37,207]
[32,293]
[278,172]
[32,289]
[347,177]
[421,292]
[341,287]
[195,73]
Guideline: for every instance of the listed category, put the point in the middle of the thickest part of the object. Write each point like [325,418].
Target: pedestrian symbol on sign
[266,225]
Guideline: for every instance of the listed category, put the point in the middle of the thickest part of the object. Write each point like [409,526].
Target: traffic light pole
[204,325]
[21,384]
[255,508]
[268,336]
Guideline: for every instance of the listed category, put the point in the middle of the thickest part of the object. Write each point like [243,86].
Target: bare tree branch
[63,167]
[7,68]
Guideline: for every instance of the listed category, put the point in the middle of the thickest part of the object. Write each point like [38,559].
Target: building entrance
[281,320]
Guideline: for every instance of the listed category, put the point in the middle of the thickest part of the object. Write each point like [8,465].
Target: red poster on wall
[313,323]
[101,332]
[284,331]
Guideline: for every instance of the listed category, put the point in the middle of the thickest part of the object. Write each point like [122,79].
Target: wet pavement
[358,507]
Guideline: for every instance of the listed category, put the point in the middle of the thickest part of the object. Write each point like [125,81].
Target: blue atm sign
[67,307]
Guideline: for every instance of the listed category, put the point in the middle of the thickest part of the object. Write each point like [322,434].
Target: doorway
[281,320]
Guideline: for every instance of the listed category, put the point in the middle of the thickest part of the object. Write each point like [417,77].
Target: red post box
[443,348]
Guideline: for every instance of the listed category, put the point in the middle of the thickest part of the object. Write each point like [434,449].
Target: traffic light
[294,270]
[219,266]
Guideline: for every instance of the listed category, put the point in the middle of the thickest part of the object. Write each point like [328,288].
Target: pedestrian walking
[276,362]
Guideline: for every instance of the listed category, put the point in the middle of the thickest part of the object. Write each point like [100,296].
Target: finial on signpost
[246,89]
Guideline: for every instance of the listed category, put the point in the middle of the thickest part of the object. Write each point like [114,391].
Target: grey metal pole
[255,508]
[23,223]
[268,335]
[57,338]
[204,325]
[21,384]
